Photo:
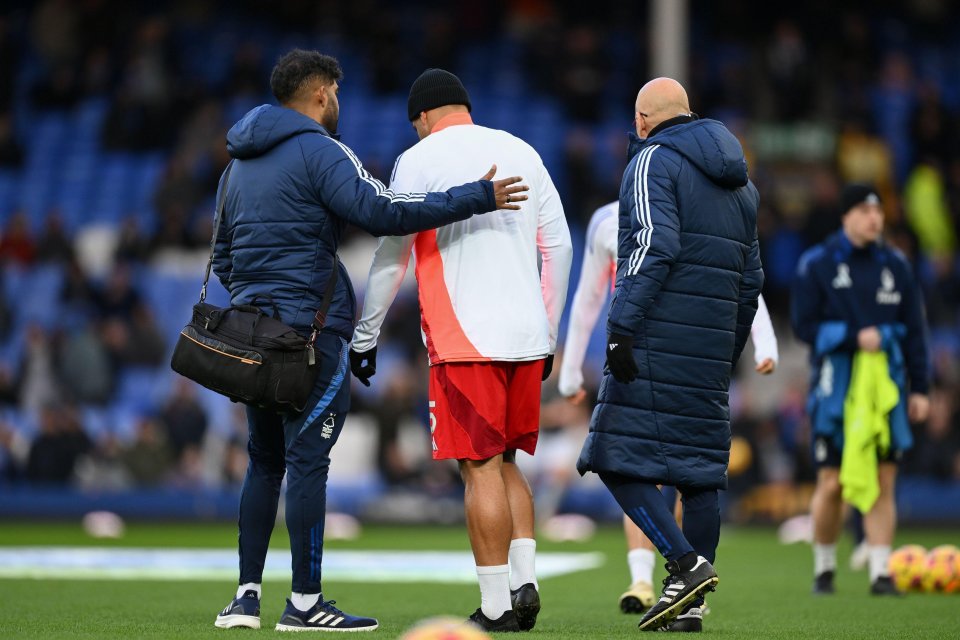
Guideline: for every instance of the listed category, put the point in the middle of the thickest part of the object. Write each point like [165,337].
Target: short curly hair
[297,69]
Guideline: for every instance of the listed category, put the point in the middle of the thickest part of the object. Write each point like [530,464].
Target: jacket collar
[323,130]
[846,248]
[636,142]
[672,122]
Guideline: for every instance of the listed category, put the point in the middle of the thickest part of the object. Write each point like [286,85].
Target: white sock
[879,559]
[641,563]
[304,601]
[523,552]
[250,586]
[494,590]
[824,558]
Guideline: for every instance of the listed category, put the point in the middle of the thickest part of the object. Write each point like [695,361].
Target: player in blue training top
[853,293]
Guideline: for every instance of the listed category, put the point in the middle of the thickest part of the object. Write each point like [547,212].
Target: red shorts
[481,409]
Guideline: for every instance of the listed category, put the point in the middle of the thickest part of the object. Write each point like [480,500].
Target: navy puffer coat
[688,278]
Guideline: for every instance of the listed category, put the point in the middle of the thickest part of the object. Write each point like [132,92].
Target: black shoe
[506,622]
[690,621]
[526,605]
[680,588]
[884,586]
[823,584]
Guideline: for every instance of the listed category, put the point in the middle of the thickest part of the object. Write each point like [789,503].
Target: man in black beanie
[489,319]
[853,293]
[435,88]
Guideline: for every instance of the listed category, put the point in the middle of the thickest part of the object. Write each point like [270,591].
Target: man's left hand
[918,407]
[623,367]
[363,365]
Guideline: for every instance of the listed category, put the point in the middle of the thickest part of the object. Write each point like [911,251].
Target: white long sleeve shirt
[597,276]
[482,296]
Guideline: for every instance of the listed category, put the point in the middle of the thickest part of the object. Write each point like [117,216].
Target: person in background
[490,319]
[854,295]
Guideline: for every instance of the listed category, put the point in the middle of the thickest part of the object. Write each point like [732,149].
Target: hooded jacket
[292,191]
[688,279]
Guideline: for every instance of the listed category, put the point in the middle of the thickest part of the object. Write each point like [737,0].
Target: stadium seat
[38,298]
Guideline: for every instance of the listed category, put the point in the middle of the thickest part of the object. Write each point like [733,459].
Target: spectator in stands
[59,445]
[37,385]
[13,450]
[11,153]
[118,297]
[396,404]
[85,370]
[582,73]
[9,64]
[183,418]
[6,322]
[148,459]
[138,342]
[8,385]
[54,245]
[17,245]
[77,295]
[133,247]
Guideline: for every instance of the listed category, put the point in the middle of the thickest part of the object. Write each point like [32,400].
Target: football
[941,569]
[444,628]
[908,566]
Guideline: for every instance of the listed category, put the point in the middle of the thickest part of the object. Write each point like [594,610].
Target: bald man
[687,283]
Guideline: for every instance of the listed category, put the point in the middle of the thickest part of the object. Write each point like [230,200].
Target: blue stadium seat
[123,422]
[137,388]
[97,421]
[22,422]
[38,298]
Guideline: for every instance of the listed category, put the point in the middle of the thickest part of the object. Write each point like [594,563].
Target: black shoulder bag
[243,353]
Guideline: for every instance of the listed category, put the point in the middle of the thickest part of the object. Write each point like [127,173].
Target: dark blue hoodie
[688,278]
[292,190]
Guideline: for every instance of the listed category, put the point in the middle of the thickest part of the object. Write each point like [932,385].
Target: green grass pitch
[764,592]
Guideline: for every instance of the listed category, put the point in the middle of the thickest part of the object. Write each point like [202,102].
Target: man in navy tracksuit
[688,279]
[291,192]
[851,293]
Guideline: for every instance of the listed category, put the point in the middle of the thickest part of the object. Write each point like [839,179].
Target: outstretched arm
[349,191]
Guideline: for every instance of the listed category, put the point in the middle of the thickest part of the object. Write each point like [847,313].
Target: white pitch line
[113,563]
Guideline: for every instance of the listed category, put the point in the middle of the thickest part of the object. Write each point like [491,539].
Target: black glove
[363,372]
[547,367]
[620,358]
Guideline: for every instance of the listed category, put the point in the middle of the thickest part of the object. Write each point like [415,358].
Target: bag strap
[217,219]
[320,317]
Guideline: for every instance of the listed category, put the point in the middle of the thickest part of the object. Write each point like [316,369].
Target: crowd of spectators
[818,94]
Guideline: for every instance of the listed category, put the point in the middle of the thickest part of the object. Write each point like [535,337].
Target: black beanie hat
[435,88]
[855,194]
